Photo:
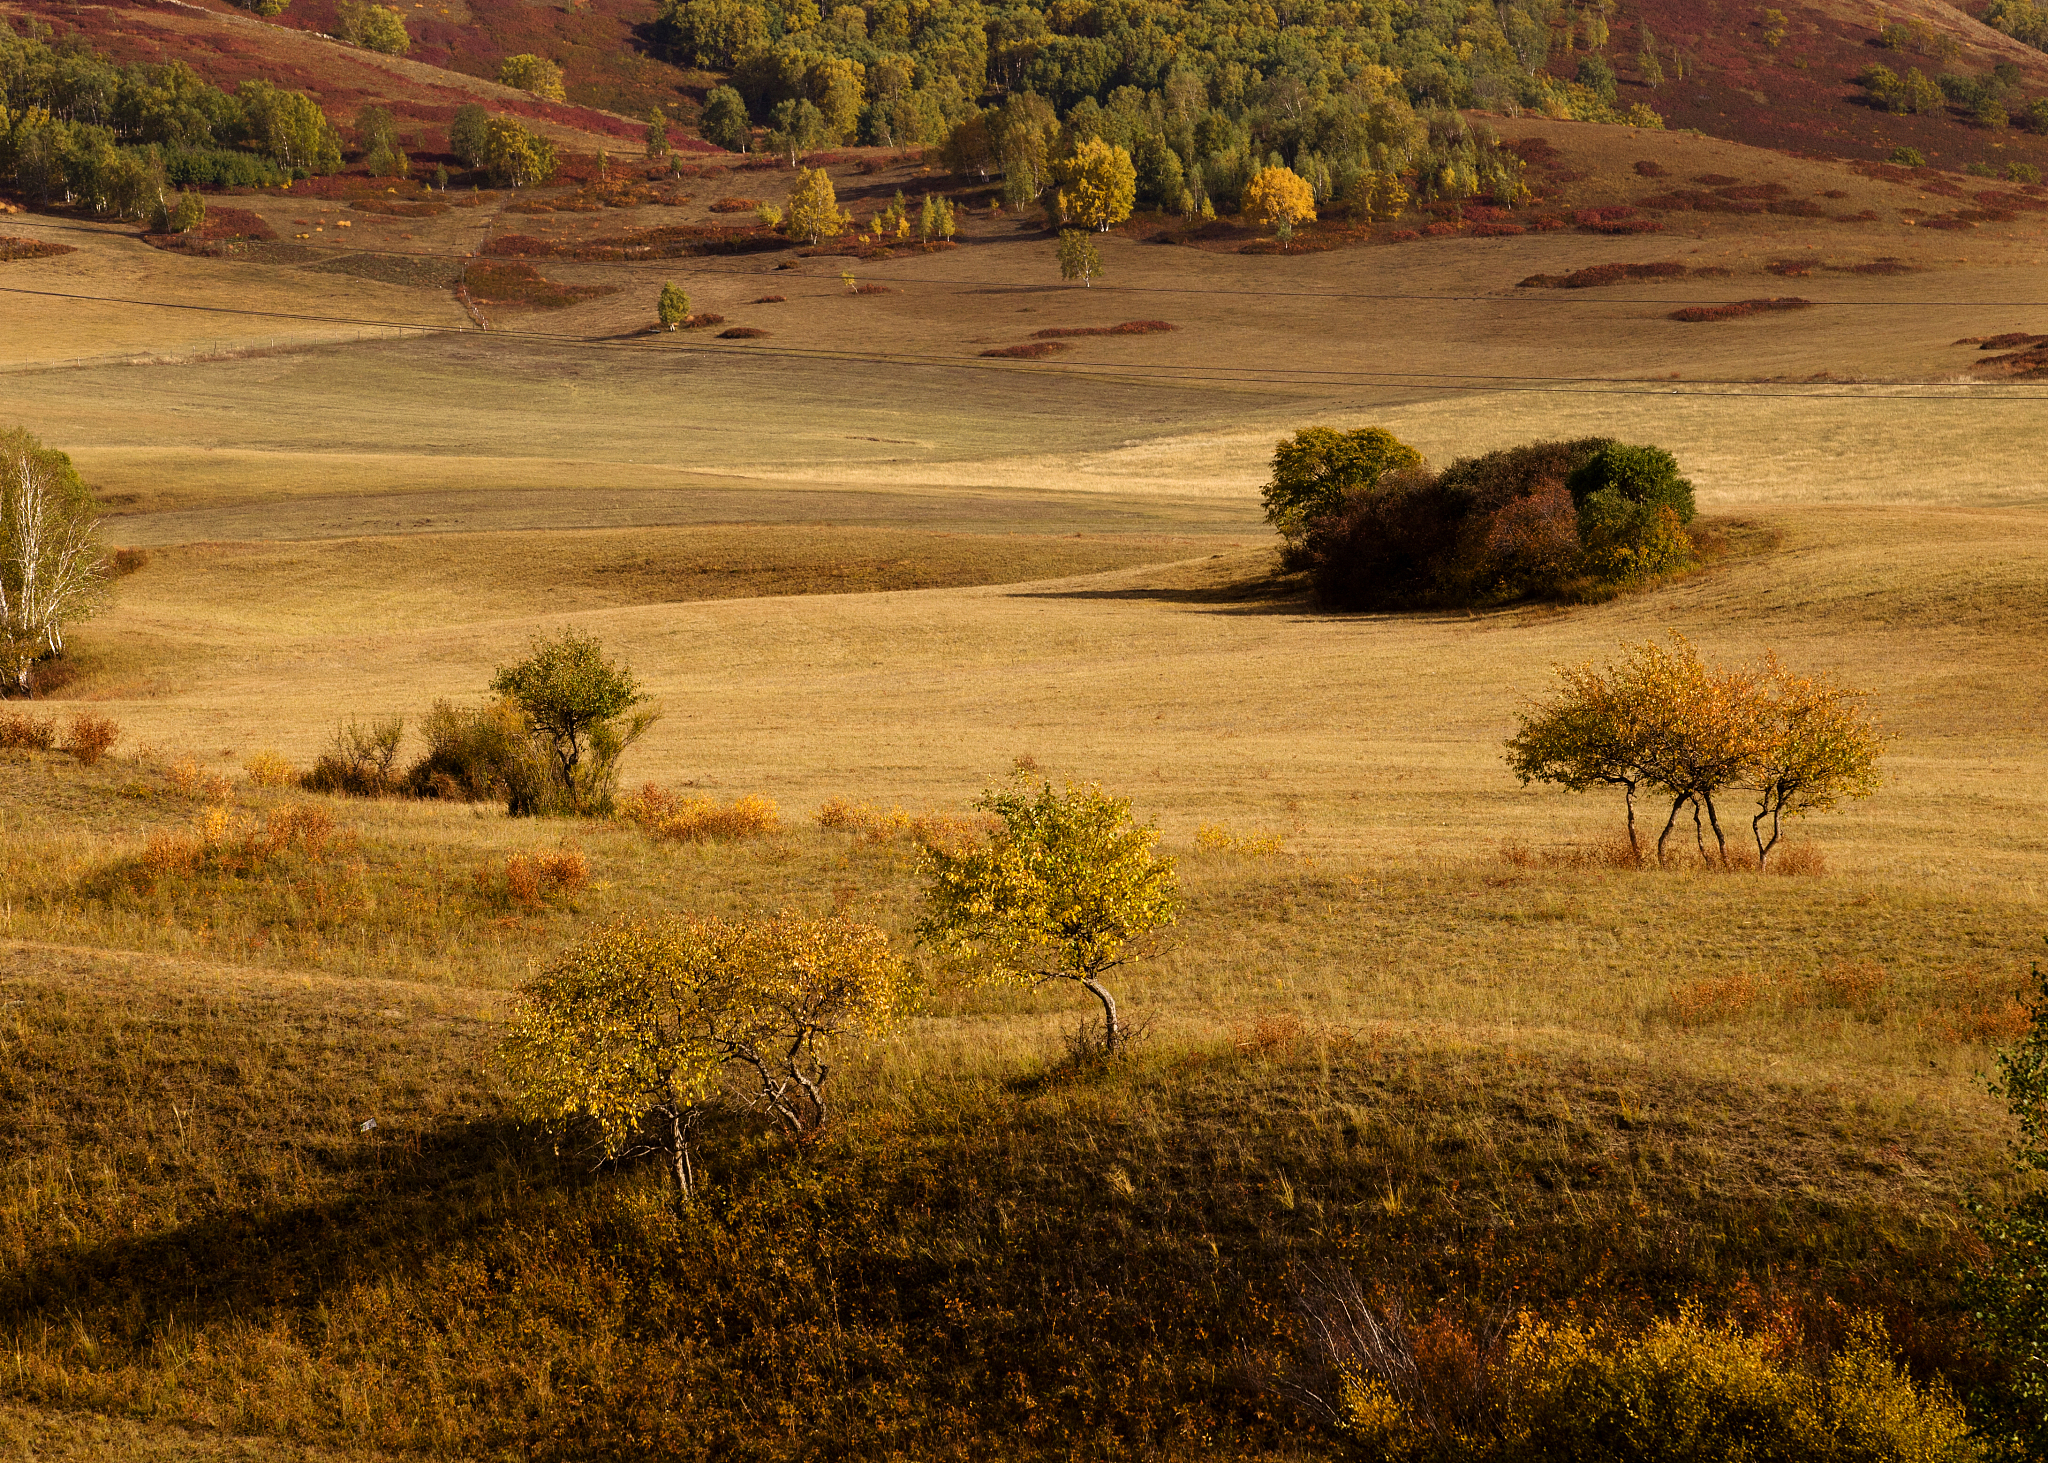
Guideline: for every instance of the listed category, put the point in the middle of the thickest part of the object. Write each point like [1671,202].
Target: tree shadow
[399,1205]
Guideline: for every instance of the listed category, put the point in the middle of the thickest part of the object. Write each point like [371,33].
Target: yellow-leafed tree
[813,211]
[1279,198]
[1068,887]
[644,1028]
[1098,185]
[533,73]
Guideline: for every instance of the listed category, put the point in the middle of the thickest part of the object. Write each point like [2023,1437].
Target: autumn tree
[674,307]
[1278,198]
[1663,720]
[1079,258]
[377,135]
[514,156]
[813,211]
[1098,185]
[1814,745]
[53,569]
[1314,469]
[535,74]
[644,1029]
[657,136]
[469,134]
[1067,887]
[290,126]
[580,711]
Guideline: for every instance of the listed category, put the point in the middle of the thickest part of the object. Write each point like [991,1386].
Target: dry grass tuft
[877,826]
[1717,998]
[1215,838]
[674,818]
[530,879]
[1129,327]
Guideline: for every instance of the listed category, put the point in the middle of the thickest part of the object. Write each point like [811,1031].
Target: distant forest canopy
[1333,89]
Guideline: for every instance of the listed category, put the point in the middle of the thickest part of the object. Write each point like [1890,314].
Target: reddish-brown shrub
[1495,231]
[772,300]
[1650,170]
[528,879]
[1715,180]
[1596,275]
[704,321]
[736,205]
[742,332]
[1701,1002]
[1547,224]
[1129,327]
[123,562]
[13,249]
[91,737]
[21,732]
[1694,314]
[1442,228]
[1029,351]
[873,289]
[515,282]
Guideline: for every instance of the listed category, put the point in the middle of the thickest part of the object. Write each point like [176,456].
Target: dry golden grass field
[856,558]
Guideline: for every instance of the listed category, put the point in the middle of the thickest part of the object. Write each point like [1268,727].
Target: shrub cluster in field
[1374,528]
[87,736]
[550,743]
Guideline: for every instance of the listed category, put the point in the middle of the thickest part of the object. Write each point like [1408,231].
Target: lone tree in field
[1279,199]
[52,566]
[576,704]
[1313,472]
[1098,185]
[644,1029]
[1067,887]
[1663,720]
[373,27]
[657,136]
[814,207]
[674,308]
[1079,258]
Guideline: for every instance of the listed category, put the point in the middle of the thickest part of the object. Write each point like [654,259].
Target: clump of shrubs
[360,760]
[1575,520]
[675,818]
[89,737]
[1679,1388]
[226,843]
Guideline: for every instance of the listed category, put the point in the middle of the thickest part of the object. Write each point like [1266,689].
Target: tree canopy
[1314,469]
[1068,886]
[52,566]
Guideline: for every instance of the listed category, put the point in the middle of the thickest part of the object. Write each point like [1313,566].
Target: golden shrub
[270,768]
[91,737]
[674,818]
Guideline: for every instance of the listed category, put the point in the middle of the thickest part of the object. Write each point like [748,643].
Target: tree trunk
[1756,827]
[680,1168]
[1628,794]
[1714,822]
[1112,1033]
[1669,823]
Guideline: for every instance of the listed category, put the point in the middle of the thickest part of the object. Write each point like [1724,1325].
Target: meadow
[1415,1024]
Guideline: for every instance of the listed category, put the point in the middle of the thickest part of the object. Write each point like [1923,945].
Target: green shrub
[476,754]
[220,167]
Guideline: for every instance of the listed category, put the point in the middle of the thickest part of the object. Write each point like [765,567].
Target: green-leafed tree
[1313,470]
[724,120]
[674,307]
[580,707]
[1079,258]
[373,27]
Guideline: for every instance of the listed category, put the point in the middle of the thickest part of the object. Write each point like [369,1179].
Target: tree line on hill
[76,127]
[1201,100]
